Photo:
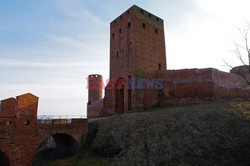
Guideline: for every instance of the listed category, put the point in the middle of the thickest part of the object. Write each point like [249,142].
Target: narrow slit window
[120,30]
[113,35]
[156,31]
[129,25]
[129,95]
[159,67]
[27,122]
[144,26]
[117,54]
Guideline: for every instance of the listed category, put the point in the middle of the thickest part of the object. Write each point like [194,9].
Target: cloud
[78,10]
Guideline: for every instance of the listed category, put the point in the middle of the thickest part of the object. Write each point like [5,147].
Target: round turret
[95,85]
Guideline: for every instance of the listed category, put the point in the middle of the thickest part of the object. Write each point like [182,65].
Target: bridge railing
[60,119]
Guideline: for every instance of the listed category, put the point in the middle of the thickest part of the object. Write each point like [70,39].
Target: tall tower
[137,50]
[137,44]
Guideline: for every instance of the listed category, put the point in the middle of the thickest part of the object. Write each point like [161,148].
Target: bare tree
[244,33]
[241,109]
[242,51]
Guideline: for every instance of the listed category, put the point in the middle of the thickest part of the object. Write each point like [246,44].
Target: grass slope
[195,134]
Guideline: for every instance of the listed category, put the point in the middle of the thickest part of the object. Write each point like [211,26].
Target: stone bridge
[22,134]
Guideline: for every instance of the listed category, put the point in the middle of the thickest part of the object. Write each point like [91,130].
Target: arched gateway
[57,146]
[22,133]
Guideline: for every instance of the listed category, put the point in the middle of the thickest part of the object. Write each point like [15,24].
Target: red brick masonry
[21,133]
[137,49]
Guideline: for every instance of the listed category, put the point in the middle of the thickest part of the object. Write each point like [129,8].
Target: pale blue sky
[49,47]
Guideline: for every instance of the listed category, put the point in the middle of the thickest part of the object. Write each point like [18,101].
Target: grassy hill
[194,134]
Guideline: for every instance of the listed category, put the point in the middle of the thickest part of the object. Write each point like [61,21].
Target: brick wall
[229,85]
[186,85]
[21,135]
[20,146]
[190,85]
[94,109]
[8,107]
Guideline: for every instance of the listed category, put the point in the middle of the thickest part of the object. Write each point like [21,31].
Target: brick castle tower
[137,50]
[137,57]
[137,44]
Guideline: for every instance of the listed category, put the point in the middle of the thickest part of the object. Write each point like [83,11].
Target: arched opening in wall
[119,95]
[57,146]
[4,161]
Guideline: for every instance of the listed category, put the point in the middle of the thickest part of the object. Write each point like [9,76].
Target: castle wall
[94,109]
[108,102]
[8,107]
[21,135]
[194,85]
[150,97]
[27,106]
[181,86]
[229,85]
[186,85]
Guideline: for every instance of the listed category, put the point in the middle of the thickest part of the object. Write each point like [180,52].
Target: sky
[49,47]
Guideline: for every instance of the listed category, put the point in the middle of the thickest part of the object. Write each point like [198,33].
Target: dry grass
[194,134]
